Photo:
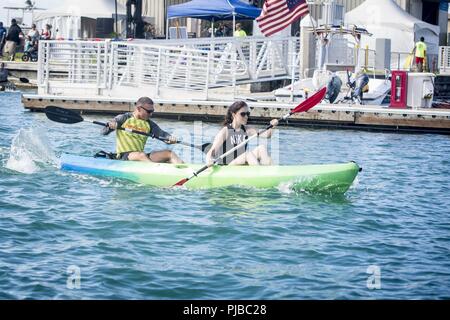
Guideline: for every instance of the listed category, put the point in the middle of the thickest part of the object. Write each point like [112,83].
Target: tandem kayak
[330,178]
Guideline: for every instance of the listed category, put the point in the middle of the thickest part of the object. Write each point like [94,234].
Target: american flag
[278,14]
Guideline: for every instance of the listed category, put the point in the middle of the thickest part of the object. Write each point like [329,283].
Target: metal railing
[64,64]
[264,57]
[444,60]
[112,68]
[399,60]
[171,67]
[403,60]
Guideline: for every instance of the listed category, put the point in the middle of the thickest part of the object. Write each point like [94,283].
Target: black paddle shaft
[62,115]
[100,123]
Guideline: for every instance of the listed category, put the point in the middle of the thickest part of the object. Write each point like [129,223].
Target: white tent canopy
[75,19]
[385,19]
[84,8]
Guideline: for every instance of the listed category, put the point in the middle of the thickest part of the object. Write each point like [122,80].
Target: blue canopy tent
[213,10]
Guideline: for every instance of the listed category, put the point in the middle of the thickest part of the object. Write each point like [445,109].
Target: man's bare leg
[165,156]
[138,156]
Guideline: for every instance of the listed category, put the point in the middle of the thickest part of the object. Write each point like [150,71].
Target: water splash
[292,186]
[355,185]
[286,187]
[30,147]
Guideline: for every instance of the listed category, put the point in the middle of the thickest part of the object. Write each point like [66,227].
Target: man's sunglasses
[148,111]
[243,114]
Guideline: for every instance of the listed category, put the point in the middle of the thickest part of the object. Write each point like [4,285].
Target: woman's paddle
[302,107]
[62,115]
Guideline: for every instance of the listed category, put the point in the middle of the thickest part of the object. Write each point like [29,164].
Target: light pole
[117,29]
[166,20]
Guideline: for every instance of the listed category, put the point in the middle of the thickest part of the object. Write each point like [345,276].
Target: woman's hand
[209,161]
[274,122]
[209,158]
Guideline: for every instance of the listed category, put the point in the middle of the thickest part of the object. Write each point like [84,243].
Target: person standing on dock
[239,32]
[46,34]
[13,39]
[130,146]
[420,53]
[33,33]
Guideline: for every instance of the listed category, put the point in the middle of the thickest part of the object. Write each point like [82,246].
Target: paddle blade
[62,115]
[24,80]
[180,183]
[311,102]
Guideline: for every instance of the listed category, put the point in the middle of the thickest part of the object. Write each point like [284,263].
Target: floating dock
[358,117]
[197,80]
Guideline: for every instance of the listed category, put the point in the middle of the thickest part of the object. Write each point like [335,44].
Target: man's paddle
[62,115]
[302,107]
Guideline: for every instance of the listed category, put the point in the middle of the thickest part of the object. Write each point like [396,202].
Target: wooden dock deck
[324,115]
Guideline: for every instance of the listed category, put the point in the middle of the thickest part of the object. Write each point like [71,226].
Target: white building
[77,19]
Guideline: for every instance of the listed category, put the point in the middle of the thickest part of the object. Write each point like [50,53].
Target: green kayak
[329,178]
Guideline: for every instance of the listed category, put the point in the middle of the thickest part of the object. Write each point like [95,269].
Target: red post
[399,89]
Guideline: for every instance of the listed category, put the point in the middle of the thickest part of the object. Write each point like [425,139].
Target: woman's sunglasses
[243,114]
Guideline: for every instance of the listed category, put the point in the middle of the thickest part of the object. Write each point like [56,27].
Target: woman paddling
[234,132]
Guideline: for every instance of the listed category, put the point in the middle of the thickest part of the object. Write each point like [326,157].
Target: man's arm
[115,123]
[156,131]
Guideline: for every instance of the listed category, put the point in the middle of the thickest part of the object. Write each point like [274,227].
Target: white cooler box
[420,90]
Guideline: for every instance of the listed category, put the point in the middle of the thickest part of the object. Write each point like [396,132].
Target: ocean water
[71,236]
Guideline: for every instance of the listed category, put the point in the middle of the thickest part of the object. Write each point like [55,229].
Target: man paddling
[130,146]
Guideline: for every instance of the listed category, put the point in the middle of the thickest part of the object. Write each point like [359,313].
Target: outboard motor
[3,73]
[360,83]
[333,88]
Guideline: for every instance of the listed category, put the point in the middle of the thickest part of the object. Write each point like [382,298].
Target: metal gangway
[192,68]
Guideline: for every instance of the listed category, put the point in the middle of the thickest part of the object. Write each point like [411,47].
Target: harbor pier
[198,80]
[322,116]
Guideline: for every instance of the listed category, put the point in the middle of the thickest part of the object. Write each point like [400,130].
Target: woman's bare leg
[245,158]
[262,156]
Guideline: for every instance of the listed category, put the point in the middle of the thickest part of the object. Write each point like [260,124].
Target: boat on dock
[376,92]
